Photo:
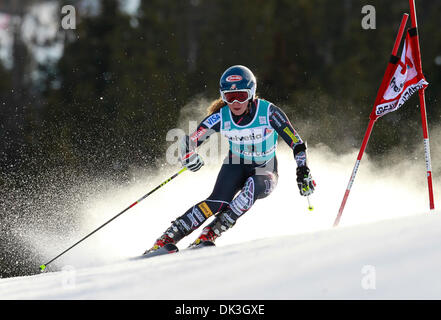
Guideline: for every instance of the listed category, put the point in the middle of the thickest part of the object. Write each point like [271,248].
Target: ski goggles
[236,95]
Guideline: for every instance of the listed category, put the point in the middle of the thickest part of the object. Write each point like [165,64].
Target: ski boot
[206,238]
[168,240]
[223,221]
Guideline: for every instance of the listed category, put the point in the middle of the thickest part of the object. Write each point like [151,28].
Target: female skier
[252,126]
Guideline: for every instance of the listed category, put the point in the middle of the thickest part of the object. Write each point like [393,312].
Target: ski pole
[43,266]
[310,207]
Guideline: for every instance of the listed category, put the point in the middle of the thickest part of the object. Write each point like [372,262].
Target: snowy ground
[387,245]
[391,259]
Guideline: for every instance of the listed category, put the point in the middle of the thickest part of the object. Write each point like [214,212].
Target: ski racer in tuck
[252,126]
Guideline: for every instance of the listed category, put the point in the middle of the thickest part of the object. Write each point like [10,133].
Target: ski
[202,244]
[171,248]
[167,249]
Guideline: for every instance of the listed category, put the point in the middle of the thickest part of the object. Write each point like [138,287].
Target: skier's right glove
[304,181]
[192,161]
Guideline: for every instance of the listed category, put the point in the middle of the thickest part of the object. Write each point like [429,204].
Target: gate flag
[404,81]
[402,78]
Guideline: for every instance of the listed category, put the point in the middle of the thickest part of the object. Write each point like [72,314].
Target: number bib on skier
[256,141]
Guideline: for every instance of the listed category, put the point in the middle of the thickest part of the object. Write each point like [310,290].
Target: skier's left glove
[304,181]
[192,161]
[188,157]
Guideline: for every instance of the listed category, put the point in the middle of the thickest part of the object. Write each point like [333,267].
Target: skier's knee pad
[264,184]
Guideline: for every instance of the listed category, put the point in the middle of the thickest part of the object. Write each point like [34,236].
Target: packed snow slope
[391,259]
[387,245]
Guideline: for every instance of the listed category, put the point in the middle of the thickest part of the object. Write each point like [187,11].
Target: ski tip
[208,244]
[42,268]
[202,244]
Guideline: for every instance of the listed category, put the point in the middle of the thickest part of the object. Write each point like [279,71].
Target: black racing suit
[252,180]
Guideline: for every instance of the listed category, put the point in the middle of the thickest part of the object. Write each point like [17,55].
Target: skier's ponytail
[215,106]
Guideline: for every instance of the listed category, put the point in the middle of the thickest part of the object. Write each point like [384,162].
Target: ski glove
[192,161]
[304,181]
